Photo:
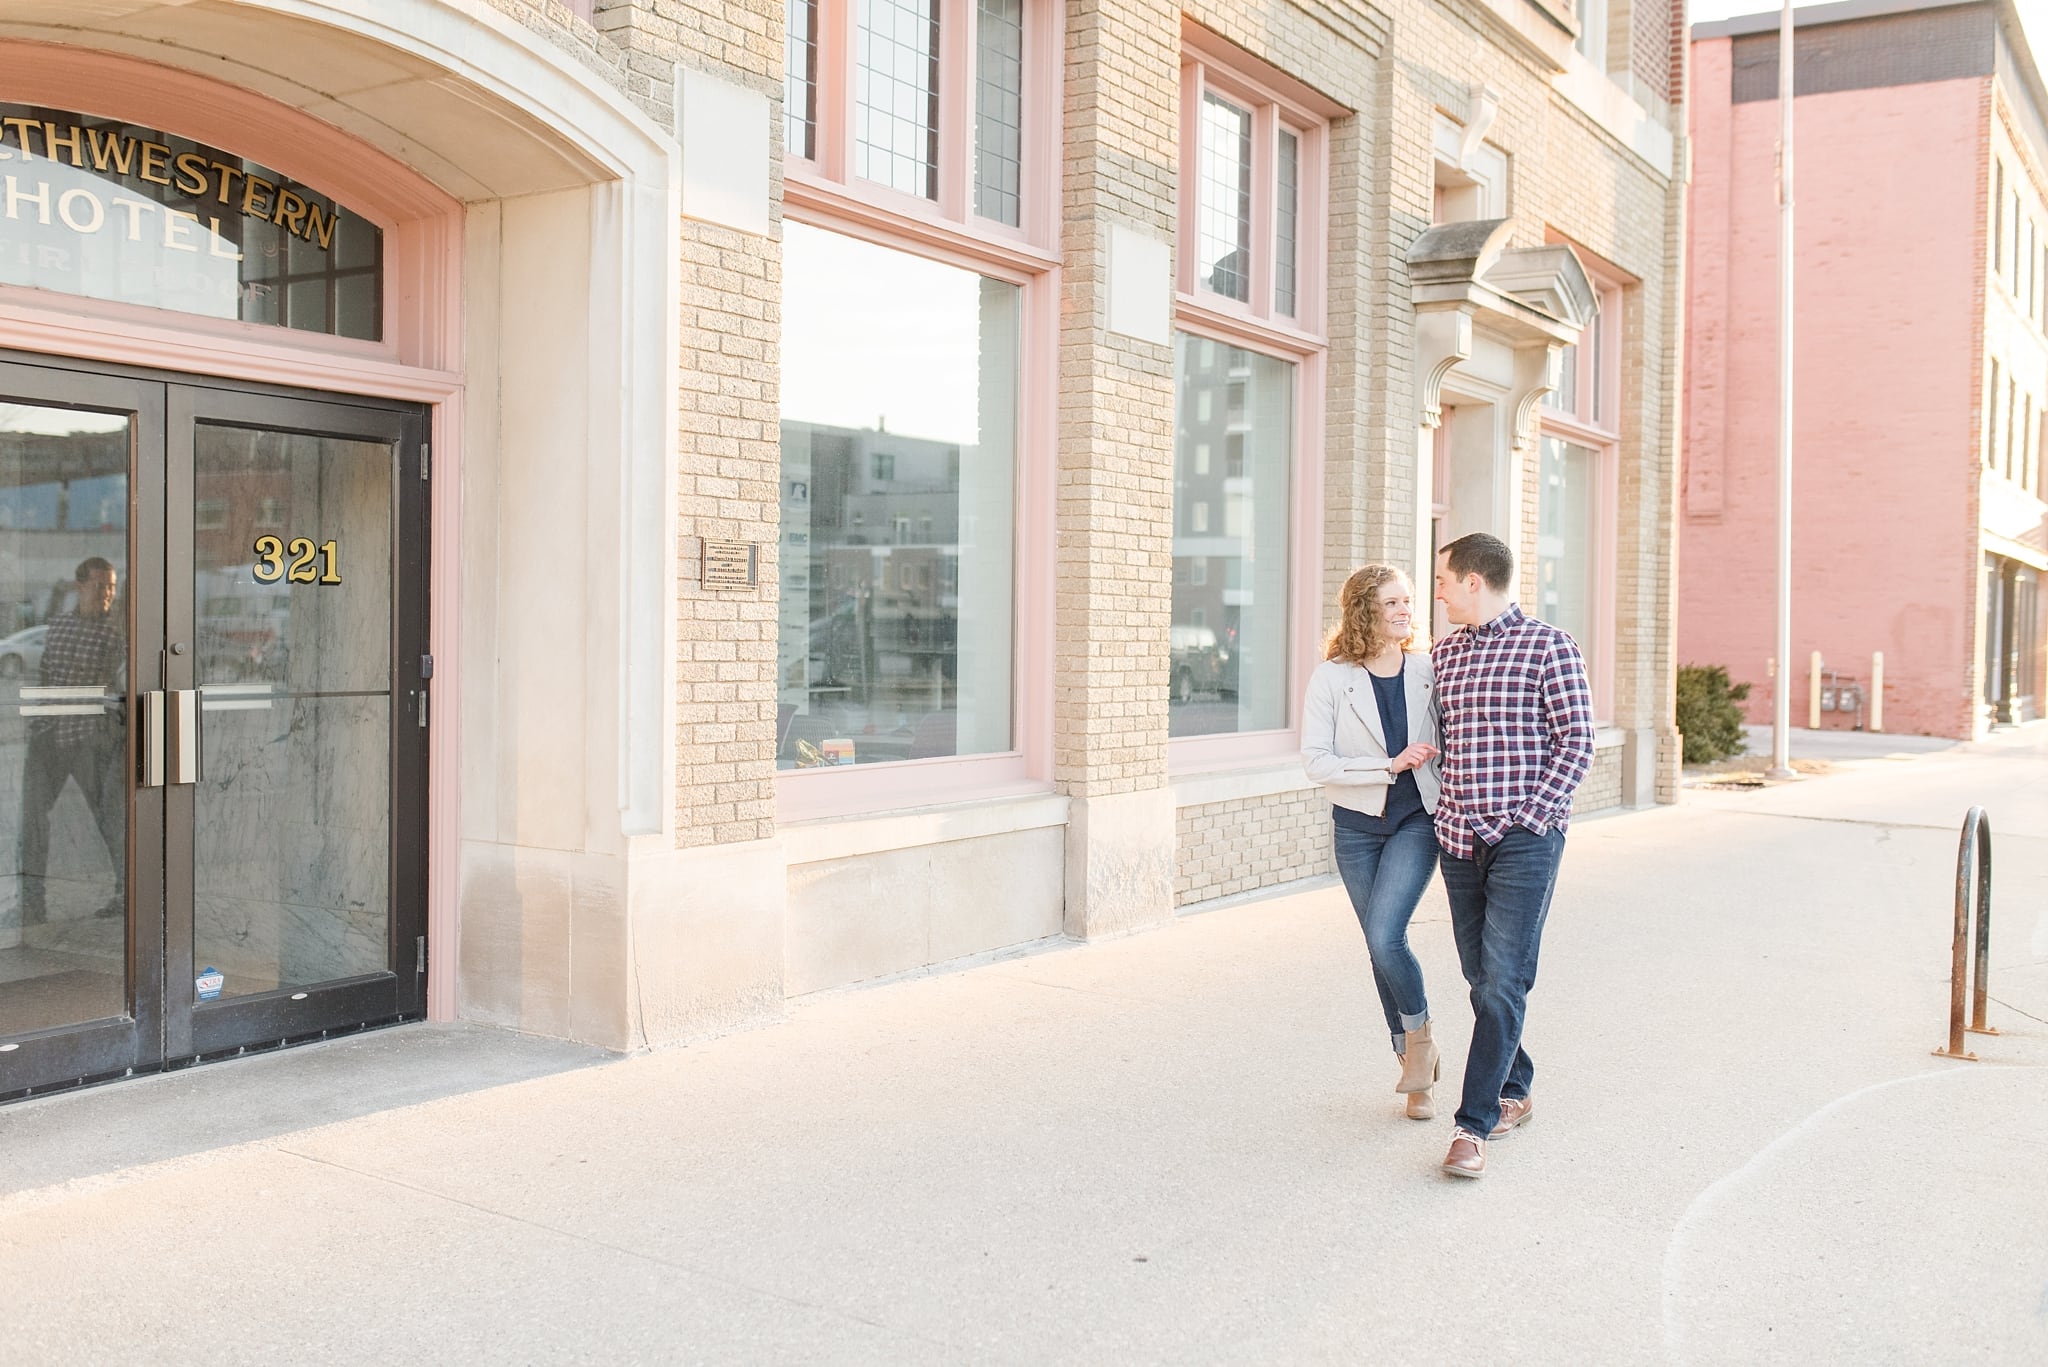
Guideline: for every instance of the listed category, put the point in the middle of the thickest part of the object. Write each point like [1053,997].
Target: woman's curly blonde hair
[1360,634]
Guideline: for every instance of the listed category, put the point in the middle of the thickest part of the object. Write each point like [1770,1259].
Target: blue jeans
[1385,875]
[1499,901]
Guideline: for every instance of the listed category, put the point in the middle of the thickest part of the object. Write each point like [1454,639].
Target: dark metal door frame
[165,1027]
[113,1046]
[204,1029]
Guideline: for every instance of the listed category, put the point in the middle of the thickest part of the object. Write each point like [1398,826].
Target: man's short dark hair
[93,565]
[1483,555]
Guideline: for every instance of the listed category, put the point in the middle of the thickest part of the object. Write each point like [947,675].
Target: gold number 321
[307,563]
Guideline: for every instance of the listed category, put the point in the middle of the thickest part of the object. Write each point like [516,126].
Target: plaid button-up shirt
[82,652]
[1517,729]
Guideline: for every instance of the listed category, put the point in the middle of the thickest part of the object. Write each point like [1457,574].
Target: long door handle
[184,735]
[149,711]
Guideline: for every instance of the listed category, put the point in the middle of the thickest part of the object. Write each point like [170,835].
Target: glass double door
[213,711]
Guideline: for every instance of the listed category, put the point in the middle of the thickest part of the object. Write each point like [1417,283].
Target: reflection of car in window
[22,653]
[1201,664]
[243,625]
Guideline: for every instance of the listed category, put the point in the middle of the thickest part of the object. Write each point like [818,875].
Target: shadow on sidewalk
[71,1135]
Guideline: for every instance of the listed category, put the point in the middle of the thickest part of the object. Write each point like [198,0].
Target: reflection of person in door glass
[85,648]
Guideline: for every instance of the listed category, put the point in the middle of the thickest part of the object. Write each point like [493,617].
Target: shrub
[1708,715]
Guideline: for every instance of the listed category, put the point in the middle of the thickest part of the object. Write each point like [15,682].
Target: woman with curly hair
[1369,736]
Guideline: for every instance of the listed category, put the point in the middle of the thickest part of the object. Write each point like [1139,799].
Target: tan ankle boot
[1422,1104]
[1421,1064]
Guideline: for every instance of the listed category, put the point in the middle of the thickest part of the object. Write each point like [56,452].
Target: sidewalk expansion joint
[1084,991]
[2017,1011]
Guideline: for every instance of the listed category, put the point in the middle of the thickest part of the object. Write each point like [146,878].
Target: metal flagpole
[1781,694]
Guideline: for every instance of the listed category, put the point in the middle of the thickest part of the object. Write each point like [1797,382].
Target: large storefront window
[109,210]
[1568,542]
[1575,499]
[900,382]
[1232,467]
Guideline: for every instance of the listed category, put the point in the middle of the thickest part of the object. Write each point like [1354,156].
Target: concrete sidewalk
[1177,1147]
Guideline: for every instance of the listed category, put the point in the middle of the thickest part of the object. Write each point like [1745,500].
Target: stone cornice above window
[1528,294]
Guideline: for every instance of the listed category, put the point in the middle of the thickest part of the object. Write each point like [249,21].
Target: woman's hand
[1414,757]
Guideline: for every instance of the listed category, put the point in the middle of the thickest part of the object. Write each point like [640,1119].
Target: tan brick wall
[1650,50]
[1602,788]
[593,45]
[1395,65]
[730,450]
[1114,505]
[1224,848]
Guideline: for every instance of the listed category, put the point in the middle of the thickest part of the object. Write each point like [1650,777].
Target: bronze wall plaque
[731,564]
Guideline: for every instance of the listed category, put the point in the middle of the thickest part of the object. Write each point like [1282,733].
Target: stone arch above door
[544,284]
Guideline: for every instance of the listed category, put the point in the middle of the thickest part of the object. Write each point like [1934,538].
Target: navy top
[1404,799]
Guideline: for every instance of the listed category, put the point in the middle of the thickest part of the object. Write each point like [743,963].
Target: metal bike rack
[1976,839]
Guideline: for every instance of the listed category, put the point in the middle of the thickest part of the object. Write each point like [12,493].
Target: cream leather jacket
[1343,744]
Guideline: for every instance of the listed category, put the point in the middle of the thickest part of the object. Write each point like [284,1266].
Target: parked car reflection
[22,653]
[1201,664]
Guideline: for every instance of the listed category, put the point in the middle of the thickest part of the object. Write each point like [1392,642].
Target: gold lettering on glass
[229,238]
[298,561]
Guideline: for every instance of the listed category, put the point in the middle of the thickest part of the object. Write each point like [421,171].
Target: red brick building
[1921,211]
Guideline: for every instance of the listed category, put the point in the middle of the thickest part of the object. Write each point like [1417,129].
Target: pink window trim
[1601,433]
[1199,754]
[418,362]
[882,219]
[1213,62]
[1277,101]
[809,794]
[829,176]
[1606,550]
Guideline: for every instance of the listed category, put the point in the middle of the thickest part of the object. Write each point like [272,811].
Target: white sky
[2033,13]
[57,422]
[871,335]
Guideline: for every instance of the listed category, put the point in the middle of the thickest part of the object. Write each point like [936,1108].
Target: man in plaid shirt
[1517,733]
[84,648]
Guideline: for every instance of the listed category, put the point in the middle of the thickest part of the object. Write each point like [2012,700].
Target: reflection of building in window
[1568,546]
[1229,597]
[895,616]
[63,496]
[884,614]
[244,490]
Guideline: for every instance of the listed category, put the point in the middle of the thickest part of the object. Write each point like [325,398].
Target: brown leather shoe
[1467,1157]
[1514,1110]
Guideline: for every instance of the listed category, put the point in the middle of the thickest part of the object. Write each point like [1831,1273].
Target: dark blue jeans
[1499,901]
[1385,875]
